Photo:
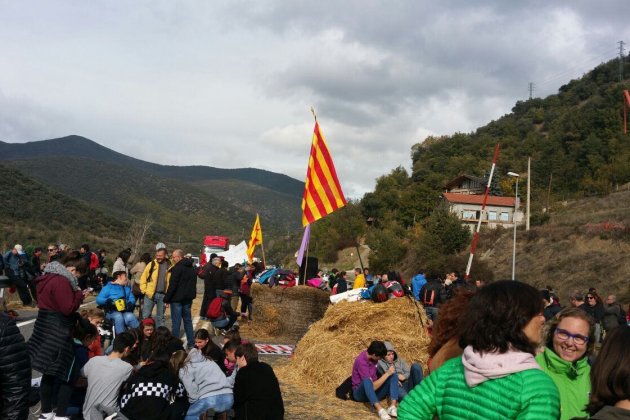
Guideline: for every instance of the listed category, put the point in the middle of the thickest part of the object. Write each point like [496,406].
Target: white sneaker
[46,416]
[392,411]
[382,414]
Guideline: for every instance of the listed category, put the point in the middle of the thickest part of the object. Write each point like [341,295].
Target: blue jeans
[225,323]
[365,392]
[122,320]
[432,312]
[158,300]
[179,311]
[219,403]
[415,377]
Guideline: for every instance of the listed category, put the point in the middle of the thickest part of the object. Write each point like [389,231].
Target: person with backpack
[182,289]
[154,284]
[431,295]
[209,291]
[220,312]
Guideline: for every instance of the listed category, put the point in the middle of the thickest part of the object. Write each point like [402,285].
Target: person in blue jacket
[118,301]
[417,282]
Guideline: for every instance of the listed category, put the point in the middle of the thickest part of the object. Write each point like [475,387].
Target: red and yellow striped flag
[322,192]
[254,239]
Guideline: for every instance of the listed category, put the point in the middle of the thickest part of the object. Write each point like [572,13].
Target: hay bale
[287,312]
[324,356]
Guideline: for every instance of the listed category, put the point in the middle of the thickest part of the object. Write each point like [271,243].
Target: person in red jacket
[50,346]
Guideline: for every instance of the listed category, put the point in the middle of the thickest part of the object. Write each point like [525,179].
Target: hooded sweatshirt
[402,368]
[486,386]
[202,377]
[572,380]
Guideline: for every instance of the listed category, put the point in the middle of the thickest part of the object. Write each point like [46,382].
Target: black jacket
[183,283]
[257,393]
[219,279]
[15,371]
[149,391]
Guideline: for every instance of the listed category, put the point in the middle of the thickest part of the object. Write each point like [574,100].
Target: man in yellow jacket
[154,283]
[359,279]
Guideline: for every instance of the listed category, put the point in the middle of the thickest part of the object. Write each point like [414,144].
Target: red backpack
[93,261]
[215,310]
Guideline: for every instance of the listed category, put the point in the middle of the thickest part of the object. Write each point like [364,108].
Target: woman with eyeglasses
[570,341]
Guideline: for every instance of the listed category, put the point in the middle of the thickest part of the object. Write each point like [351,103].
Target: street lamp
[515,175]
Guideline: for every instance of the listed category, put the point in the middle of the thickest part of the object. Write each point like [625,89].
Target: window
[505,216]
[492,215]
[469,214]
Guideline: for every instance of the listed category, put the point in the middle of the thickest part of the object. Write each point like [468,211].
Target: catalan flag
[254,239]
[322,192]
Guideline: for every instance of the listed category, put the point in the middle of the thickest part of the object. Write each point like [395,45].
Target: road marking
[30,321]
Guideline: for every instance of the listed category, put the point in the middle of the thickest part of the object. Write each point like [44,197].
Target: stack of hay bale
[325,355]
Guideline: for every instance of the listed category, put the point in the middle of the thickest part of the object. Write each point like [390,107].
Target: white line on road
[30,321]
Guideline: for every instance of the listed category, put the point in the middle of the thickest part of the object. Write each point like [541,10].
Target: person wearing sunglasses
[569,342]
[595,308]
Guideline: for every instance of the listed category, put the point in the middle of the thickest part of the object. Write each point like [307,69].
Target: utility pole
[531,89]
[620,60]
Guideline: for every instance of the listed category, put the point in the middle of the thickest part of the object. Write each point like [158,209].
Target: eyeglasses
[52,249]
[589,297]
[564,335]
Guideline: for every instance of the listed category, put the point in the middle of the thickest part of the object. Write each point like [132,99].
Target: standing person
[614,315]
[14,261]
[119,302]
[595,309]
[610,393]
[209,292]
[182,289]
[122,262]
[234,279]
[50,346]
[136,273]
[367,387]
[359,279]
[105,375]
[245,293]
[570,342]
[431,295]
[36,261]
[53,253]
[341,283]
[154,284]
[87,257]
[550,310]
[500,334]
[15,371]
[256,388]
[417,282]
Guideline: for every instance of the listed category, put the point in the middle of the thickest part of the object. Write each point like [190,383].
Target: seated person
[256,388]
[367,387]
[407,377]
[204,343]
[118,300]
[225,316]
[150,390]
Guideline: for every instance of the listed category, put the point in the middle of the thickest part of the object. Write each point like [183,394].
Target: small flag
[305,240]
[254,239]
[322,192]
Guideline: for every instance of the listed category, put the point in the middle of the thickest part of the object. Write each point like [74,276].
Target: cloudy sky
[230,83]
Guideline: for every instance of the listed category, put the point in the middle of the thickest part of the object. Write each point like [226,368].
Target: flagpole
[306,262]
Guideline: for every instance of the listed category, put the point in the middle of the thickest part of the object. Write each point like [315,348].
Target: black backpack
[344,391]
[379,293]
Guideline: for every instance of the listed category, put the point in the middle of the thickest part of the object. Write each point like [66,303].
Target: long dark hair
[610,376]
[124,255]
[203,334]
[497,315]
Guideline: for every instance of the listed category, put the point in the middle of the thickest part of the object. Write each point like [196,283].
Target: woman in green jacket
[497,377]
[570,341]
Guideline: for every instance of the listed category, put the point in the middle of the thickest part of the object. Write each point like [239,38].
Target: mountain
[185,202]
[33,213]
[78,146]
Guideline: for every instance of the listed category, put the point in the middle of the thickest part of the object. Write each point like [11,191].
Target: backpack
[379,293]
[395,289]
[215,310]
[94,263]
[344,391]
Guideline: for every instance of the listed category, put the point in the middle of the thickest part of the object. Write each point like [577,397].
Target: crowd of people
[141,369]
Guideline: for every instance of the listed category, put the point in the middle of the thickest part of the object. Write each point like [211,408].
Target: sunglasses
[590,297]
[564,335]
[52,249]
